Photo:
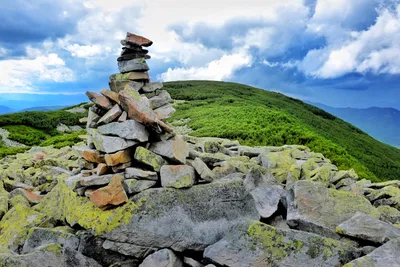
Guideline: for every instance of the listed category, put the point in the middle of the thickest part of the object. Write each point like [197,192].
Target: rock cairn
[130,147]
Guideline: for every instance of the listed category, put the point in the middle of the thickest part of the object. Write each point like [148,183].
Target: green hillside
[258,117]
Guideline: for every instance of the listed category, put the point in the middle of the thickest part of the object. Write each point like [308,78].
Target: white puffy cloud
[19,75]
[220,69]
[3,51]
[85,51]
[375,50]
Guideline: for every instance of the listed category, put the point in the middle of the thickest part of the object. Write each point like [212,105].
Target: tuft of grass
[26,135]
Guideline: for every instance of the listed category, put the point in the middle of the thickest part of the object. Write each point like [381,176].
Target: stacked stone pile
[130,148]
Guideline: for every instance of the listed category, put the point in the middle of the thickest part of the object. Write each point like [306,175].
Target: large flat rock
[313,207]
[190,219]
[265,245]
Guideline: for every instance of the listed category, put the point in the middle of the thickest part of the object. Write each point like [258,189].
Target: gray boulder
[265,245]
[138,64]
[190,219]
[161,99]
[177,176]
[128,249]
[130,130]
[47,255]
[165,112]
[149,159]
[135,173]
[162,258]
[42,236]
[110,144]
[384,256]
[314,208]
[111,115]
[267,199]
[175,149]
[133,186]
[365,227]
[96,180]
[151,87]
[202,169]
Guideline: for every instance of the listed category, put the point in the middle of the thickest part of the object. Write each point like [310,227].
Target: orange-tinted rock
[137,40]
[99,100]
[118,158]
[32,197]
[121,167]
[90,155]
[110,94]
[39,156]
[111,195]
[138,111]
[101,169]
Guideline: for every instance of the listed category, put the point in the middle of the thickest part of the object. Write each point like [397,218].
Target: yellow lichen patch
[64,204]
[273,243]
[15,225]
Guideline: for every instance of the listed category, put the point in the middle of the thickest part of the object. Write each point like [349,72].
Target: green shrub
[63,140]
[26,135]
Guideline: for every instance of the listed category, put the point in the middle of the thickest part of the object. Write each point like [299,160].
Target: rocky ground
[7,142]
[141,193]
[247,206]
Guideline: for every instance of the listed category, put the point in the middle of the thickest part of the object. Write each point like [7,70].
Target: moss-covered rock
[315,208]
[265,245]
[3,200]
[150,159]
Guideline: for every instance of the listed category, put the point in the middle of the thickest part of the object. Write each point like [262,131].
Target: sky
[341,53]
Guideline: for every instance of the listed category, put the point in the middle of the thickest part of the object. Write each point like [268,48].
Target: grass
[258,117]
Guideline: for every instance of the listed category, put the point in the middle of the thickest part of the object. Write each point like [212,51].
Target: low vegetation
[258,117]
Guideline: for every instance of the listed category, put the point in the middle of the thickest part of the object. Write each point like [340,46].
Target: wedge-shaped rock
[137,40]
[177,176]
[202,170]
[164,257]
[110,94]
[123,117]
[161,99]
[267,199]
[129,129]
[133,186]
[111,115]
[111,195]
[101,169]
[175,149]
[313,207]
[134,173]
[121,85]
[42,236]
[165,112]
[365,227]
[151,87]
[118,158]
[150,159]
[190,219]
[110,144]
[384,256]
[93,118]
[89,154]
[138,64]
[47,255]
[99,100]
[137,110]
[96,180]
[265,245]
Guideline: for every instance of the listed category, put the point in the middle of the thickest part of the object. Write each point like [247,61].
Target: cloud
[375,50]
[220,69]
[20,75]
[85,51]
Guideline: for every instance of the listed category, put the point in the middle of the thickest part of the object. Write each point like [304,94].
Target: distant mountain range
[5,110]
[381,123]
[46,108]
